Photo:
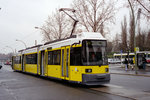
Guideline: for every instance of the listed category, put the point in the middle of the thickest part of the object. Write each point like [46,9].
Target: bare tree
[57,26]
[139,39]
[124,34]
[148,41]
[116,43]
[138,7]
[143,40]
[109,46]
[95,15]
[132,33]
[145,5]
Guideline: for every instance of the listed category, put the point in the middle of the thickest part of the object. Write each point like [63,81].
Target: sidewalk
[117,69]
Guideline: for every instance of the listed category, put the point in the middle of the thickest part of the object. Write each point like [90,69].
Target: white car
[114,61]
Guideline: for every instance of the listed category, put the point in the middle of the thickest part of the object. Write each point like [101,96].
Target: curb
[131,74]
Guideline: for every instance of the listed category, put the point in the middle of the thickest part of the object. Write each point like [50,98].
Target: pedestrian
[144,62]
[126,64]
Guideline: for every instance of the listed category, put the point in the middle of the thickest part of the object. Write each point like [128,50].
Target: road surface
[19,86]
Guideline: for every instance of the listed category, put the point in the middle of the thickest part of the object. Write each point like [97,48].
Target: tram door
[23,63]
[13,61]
[139,60]
[42,63]
[65,62]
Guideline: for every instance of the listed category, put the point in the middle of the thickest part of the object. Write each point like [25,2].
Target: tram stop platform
[118,69]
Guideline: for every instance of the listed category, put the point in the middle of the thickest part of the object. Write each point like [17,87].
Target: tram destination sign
[96,43]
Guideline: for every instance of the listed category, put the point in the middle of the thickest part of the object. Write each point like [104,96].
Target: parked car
[148,60]
[114,61]
[0,65]
[7,63]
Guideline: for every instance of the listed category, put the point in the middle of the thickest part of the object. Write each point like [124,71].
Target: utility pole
[134,27]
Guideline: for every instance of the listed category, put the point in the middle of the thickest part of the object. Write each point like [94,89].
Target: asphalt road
[19,86]
[139,83]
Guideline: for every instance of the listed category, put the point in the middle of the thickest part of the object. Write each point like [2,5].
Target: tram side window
[75,56]
[50,58]
[31,59]
[17,60]
[54,57]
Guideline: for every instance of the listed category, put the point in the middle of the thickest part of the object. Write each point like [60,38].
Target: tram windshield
[94,52]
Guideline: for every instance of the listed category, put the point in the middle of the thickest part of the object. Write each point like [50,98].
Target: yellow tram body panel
[31,68]
[77,71]
[17,67]
[54,71]
[39,58]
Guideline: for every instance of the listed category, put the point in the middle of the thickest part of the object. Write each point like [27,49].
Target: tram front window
[94,52]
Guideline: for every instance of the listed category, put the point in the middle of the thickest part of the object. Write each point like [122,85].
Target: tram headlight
[106,69]
[88,70]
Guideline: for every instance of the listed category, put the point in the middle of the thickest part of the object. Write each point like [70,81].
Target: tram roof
[83,35]
[65,42]
[124,54]
[73,39]
[146,52]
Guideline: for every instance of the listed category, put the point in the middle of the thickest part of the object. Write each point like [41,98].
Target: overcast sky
[19,17]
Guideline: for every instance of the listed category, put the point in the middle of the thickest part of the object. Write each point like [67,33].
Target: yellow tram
[80,59]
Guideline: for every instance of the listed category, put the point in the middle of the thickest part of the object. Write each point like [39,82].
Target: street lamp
[40,29]
[22,42]
[46,33]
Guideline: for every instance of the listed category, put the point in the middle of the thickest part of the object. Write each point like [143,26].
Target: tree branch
[143,6]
